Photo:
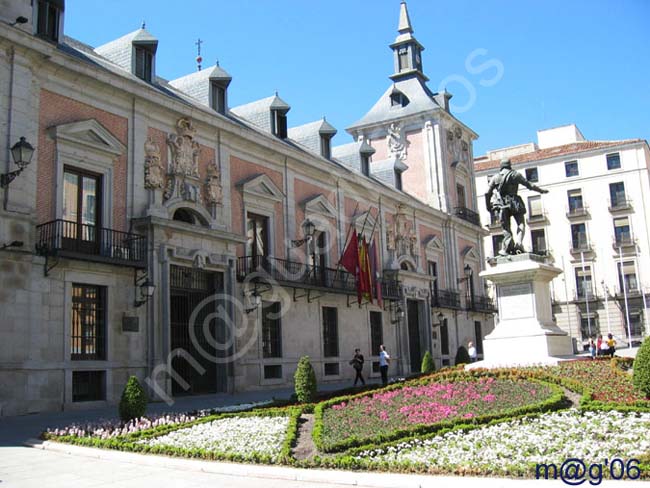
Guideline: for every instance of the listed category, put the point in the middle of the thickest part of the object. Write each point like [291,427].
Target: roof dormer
[134,52]
[49,19]
[315,137]
[208,86]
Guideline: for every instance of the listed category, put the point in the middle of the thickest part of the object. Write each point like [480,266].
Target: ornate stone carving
[464,145]
[213,189]
[154,173]
[402,239]
[397,142]
[185,150]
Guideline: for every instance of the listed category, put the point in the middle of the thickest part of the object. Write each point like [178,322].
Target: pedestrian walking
[384,361]
[357,363]
[473,355]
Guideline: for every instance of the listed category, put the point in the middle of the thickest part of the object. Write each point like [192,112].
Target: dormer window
[279,123]
[398,180]
[325,146]
[398,99]
[365,164]
[218,97]
[144,62]
[48,19]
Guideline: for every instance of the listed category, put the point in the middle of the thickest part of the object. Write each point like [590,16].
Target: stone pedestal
[525,333]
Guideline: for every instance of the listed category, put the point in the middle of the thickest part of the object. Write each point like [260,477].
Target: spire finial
[199,59]
[404,20]
[217,63]
[143,24]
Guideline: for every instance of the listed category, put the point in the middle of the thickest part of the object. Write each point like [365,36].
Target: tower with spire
[407,51]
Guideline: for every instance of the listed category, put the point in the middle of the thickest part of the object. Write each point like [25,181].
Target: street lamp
[309,229]
[147,290]
[440,318]
[399,314]
[22,153]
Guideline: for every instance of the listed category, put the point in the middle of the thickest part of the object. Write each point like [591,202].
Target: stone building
[593,224]
[161,233]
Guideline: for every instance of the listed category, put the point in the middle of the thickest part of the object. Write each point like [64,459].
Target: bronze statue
[508,204]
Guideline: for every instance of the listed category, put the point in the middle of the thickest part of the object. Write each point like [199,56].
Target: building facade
[161,233]
[593,224]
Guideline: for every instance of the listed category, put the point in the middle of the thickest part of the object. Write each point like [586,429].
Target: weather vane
[199,59]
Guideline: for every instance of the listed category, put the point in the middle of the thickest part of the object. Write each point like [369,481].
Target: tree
[305,381]
[462,356]
[133,403]
[641,375]
[427,364]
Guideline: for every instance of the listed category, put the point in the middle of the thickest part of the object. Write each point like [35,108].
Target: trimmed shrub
[427,364]
[641,375]
[305,381]
[462,356]
[133,403]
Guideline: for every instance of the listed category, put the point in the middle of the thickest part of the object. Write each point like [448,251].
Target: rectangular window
[218,98]
[478,334]
[143,63]
[460,195]
[257,243]
[330,332]
[331,369]
[398,180]
[575,200]
[622,233]
[617,194]
[47,21]
[531,175]
[589,326]
[571,168]
[613,161]
[273,371]
[81,206]
[376,333]
[627,277]
[271,330]
[432,268]
[325,147]
[403,58]
[279,119]
[444,338]
[579,236]
[88,386]
[88,336]
[535,206]
[497,242]
[584,285]
[538,238]
[636,324]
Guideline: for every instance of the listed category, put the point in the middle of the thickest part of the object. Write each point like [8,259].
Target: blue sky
[571,61]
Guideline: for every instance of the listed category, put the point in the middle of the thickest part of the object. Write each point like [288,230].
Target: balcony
[537,218]
[67,239]
[294,274]
[483,304]
[467,215]
[632,292]
[445,299]
[621,204]
[585,296]
[577,212]
[625,242]
[578,246]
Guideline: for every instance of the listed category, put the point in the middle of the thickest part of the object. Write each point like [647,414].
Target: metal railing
[481,303]
[623,240]
[467,215]
[91,243]
[391,290]
[580,245]
[445,299]
[577,211]
[586,295]
[618,204]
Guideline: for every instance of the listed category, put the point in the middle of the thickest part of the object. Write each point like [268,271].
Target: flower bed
[426,406]
[516,447]
[107,429]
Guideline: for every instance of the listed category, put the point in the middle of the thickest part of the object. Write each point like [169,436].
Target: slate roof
[483,163]
[420,100]
[350,154]
[258,112]
[309,134]
[120,51]
[384,170]
[197,84]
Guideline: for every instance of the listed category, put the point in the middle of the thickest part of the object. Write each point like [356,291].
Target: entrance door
[189,289]
[415,350]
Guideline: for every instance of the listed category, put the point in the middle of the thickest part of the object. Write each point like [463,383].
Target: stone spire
[407,50]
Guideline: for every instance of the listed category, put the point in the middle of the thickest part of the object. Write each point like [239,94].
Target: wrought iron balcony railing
[64,238]
[586,295]
[577,211]
[580,245]
[468,215]
[624,241]
[620,204]
[483,304]
[445,299]
[295,274]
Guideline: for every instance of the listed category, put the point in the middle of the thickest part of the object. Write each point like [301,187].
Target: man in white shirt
[384,361]
[472,351]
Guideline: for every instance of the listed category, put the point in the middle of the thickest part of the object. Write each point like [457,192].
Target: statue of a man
[502,197]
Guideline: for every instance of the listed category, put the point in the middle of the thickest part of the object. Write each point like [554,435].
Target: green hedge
[556,401]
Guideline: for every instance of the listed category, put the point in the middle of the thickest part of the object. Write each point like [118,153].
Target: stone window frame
[259,195]
[97,155]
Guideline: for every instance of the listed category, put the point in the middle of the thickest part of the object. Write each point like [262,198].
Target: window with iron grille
[271,330]
[88,322]
[330,332]
[613,161]
[376,332]
[88,386]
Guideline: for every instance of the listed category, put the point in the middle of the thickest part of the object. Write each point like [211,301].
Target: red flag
[350,258]
[375,274]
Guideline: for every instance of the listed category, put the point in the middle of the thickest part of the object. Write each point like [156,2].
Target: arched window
[189,217]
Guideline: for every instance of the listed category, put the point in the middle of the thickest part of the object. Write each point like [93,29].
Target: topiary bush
[462,356]
[305,381]
[427,364]
[641,375]
[133,403]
